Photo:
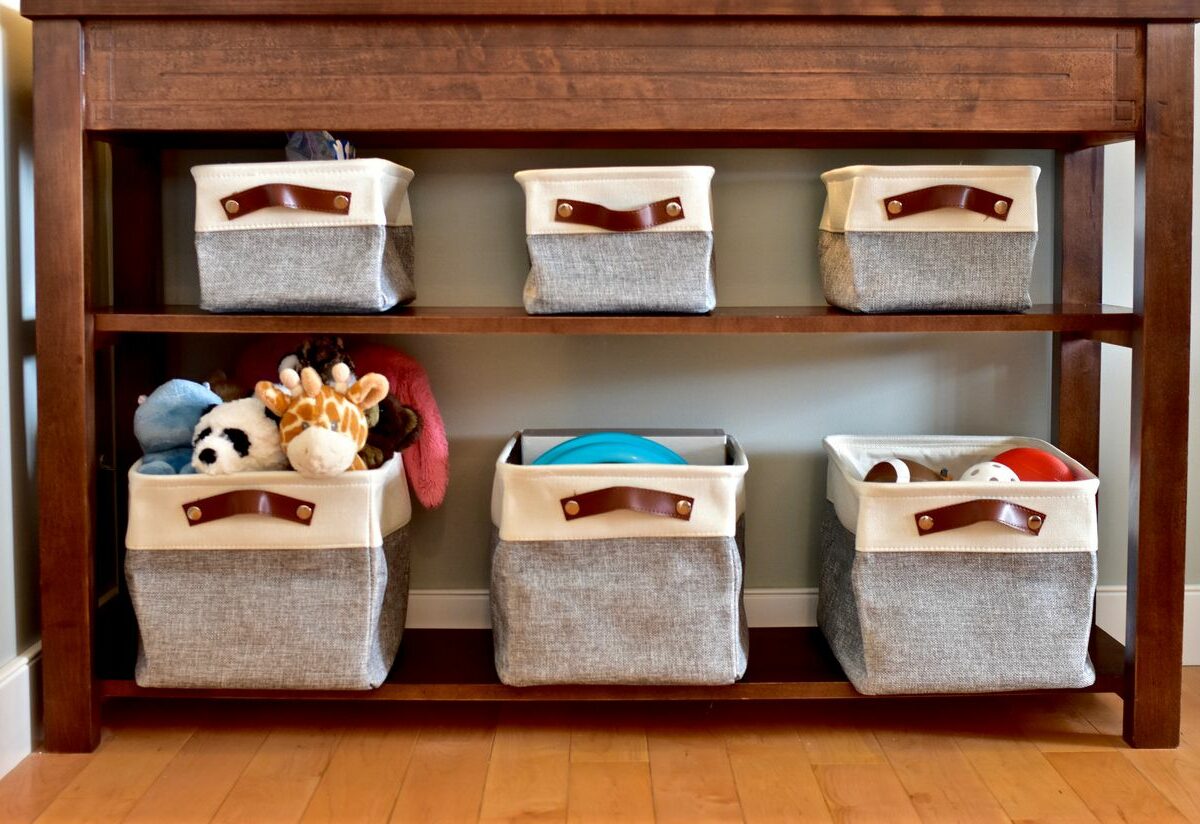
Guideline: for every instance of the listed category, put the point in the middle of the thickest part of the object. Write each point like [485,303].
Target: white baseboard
[470,609]
[18,686]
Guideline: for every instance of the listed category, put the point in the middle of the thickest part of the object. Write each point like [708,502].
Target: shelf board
[1113,324]
[456,665]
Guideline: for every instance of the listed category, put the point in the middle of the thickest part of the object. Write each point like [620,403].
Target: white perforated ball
[989,471]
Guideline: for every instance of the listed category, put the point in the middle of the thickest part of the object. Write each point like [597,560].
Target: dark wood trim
[1159,463]
[1080,280]
[1130,9]
[456,665]
[1113,321]
[66,388]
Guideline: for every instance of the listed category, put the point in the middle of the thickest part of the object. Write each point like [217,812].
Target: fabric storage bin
[953,586]
[637,239]
[635,587]
[268,580]
[904,238]
[306,236]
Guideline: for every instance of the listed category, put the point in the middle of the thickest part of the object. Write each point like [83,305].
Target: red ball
[1035,465]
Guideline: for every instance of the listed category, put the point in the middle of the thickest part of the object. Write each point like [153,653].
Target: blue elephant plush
[164,423]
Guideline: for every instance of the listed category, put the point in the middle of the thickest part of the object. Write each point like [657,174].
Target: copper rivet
[895,207]
[571,508]
[684,508]
[341,202]
[1035,522]
[565,209]
[925,522]
[304,512]
[232,207]
[194,513]
[673,209]
[1001,207]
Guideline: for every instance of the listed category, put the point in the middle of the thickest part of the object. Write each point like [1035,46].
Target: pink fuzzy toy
[426,460]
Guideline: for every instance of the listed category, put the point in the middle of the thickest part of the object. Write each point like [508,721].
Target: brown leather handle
[651,501]
[249,502]
[948,196]
[287,195]
[1005,513]
[633,220]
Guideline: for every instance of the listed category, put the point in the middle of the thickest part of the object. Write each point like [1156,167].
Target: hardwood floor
[915,760]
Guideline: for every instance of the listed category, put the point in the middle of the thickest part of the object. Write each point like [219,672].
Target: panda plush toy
[237,436]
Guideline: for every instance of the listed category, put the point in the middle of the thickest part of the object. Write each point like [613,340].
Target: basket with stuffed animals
[267,545]
[958,564]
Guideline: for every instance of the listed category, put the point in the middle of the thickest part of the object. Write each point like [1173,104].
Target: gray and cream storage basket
[921,238]
[952,586]
[637,239]
[619,573]
[268,580]
[305,236]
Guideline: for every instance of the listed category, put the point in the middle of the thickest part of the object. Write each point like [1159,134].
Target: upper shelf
[1112,324]
[1133,9]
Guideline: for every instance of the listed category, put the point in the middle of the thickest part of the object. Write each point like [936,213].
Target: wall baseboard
[18,702]
[797,607]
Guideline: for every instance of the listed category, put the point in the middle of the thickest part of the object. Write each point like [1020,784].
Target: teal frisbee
[609,448]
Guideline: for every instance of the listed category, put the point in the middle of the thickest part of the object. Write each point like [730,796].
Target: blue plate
[609,448]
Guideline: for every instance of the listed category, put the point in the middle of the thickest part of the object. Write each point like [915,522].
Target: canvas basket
[310,596]
[982,607]
[922,238]
[619,595]
[306,236]
[637,239]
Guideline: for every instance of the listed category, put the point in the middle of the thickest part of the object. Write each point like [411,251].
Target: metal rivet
[341,203]
[1035,522]
[232,207]
[674,209]
[565,209]
[194,513]
[895,207]
[925,522]
[684,508]
[304,512]
[1001,207]
[571,508]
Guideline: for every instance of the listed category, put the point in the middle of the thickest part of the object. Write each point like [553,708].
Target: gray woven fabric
[924,271]
[621,272]
[269,619]
[919,622]
[309,269]
[619,611]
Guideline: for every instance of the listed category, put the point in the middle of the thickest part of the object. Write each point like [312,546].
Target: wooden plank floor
[1022,759]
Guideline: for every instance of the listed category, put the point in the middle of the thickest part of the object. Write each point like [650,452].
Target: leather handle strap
[287,195]
[249,502]
[633,220]
[637,499]
[947,196]
[1005,513]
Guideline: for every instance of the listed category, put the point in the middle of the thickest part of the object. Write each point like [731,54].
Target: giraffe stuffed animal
[321,427]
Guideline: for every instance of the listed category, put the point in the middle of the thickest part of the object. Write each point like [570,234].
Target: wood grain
[613,74]
[865,792]
[1114,323]
[1159,457]
[65,388]
[692,778]
[527,778]
[1080,280]
[1113,788]
[31,786]
[448,768]
[605,791]
[1154,9]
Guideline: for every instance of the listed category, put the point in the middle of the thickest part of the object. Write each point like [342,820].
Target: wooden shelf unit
[602,73]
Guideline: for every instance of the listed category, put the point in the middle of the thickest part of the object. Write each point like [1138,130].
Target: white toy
[990,471]
[238,436]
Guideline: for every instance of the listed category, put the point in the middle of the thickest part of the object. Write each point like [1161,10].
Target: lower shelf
[456,665]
